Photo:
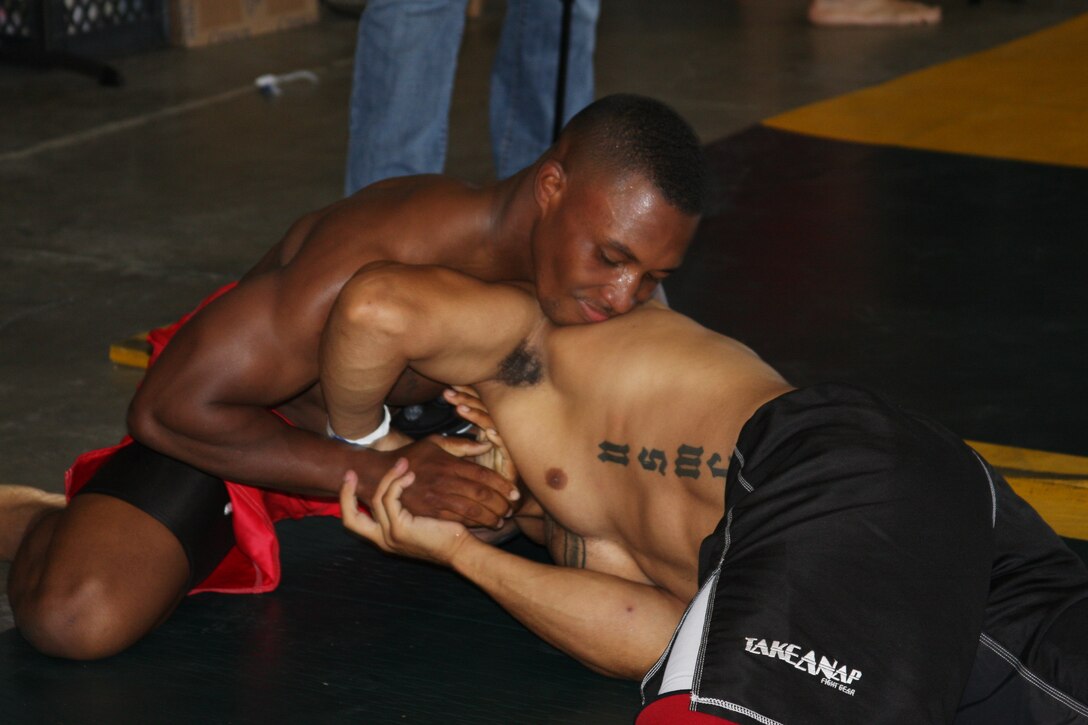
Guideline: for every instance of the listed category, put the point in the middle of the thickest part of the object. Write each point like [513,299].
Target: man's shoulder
[416,189]
[424,219]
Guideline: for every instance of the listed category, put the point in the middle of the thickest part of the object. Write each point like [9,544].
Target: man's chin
[591,313]
[570,311]
[561,314]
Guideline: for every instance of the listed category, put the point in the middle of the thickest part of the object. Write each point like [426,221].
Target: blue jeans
[405,60]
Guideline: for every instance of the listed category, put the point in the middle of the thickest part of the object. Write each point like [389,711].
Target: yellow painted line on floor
[1028,460]
[135,352]
[1055,484]
[1025,100]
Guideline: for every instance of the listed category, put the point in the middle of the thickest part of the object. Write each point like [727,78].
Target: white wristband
[380,432]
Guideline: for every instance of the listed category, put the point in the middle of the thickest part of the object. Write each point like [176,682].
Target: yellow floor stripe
[1031,461]
[135,352]
[1025,100]
[1055,484]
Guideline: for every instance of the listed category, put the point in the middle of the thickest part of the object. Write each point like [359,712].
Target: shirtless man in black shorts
[235,398]
[829,556]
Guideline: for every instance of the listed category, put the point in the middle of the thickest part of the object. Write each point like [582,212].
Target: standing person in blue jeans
[405,61]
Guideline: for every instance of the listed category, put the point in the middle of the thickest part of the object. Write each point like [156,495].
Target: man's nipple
[556,478]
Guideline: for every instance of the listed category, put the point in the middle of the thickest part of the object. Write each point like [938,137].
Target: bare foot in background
[21,506]
[872,12]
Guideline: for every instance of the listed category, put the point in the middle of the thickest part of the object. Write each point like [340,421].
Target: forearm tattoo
[569,550]
[687,463]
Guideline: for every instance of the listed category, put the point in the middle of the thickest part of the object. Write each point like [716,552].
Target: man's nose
[621,296]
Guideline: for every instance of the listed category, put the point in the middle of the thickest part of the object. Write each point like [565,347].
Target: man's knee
[80,605]
[83,616]
[74,617]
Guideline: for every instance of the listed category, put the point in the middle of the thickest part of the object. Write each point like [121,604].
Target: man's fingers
[454,488]
[355,520]
[487,477]
[479,418]
[468,401]
[485,505]
[472,409]
[350,509]
[494,438]
[465,390]
[458,499]
[460,447]
[391,498]
[378,506]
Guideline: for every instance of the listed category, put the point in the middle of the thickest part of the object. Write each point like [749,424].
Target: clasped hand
[392,527]
[433,536]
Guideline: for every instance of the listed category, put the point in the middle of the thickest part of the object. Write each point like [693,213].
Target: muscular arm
[611,625]
[440,323]
[206,401]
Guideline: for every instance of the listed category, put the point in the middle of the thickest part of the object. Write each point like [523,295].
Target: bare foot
[872,12]
[21,506]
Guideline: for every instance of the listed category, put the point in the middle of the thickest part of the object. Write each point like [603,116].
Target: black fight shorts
[866,561]
[194,505]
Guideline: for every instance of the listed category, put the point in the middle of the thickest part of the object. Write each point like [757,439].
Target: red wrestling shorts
[252,566]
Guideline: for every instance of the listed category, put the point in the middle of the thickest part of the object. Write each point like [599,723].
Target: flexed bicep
[443,324]
[223,368]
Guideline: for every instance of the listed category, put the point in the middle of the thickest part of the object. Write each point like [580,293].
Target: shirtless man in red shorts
[235,397]
[756,554]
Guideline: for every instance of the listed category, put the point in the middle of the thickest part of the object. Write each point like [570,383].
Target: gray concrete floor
[123,206]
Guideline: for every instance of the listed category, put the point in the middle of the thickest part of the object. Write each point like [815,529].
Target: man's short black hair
[630,133]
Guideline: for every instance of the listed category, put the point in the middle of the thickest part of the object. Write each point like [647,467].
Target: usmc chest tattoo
[687,462]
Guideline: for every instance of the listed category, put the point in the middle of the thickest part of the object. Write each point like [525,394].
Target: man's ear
[550,181]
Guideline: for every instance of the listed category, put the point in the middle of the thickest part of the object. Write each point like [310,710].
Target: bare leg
[95,577]
[20,508]
[872,12]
